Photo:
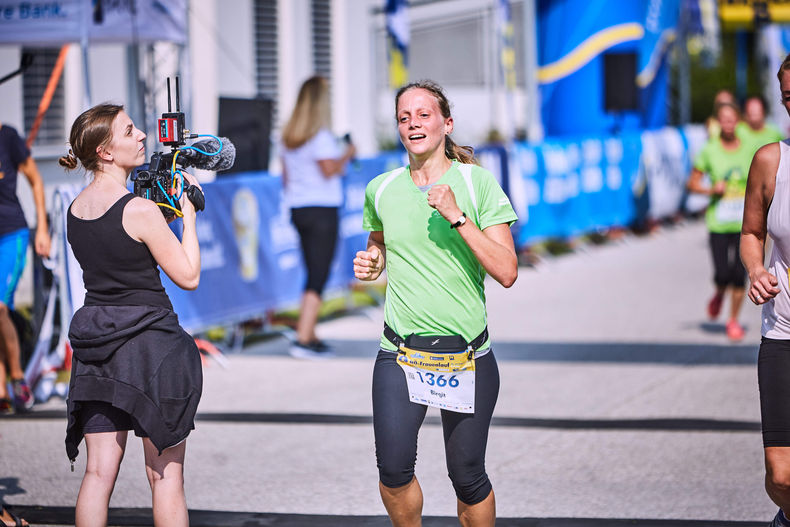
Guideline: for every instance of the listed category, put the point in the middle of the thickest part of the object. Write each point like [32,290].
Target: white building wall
[73,87]
[479,104]
[235,40]
[108,66]
[295,53]
[353,75]
[203,69]
[11,91]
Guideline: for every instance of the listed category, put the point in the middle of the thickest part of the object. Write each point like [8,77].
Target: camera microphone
[190,156]
[353,160]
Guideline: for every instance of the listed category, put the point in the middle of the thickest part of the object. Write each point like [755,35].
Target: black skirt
[140,360]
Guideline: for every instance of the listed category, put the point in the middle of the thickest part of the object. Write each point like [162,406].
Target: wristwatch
[460,221]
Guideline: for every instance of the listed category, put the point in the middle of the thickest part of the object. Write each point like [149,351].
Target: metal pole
[741,64]
[534,121]
[684,69]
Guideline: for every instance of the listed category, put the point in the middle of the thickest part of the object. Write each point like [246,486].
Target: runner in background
[753,128]
[438,226]
[14,239]
[725,159]
[767,213]
[712,125]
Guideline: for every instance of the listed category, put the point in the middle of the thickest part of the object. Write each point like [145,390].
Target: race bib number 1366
[445,381]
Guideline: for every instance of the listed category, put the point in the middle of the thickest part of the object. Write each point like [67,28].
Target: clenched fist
[369,264]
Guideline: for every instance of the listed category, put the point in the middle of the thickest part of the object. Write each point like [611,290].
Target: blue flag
[661,20]
[398,42]
[507,47]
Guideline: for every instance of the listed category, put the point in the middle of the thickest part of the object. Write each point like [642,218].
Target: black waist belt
[442,343]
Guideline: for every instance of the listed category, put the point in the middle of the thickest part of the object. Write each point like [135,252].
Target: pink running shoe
[23,396]
[734,330]
[714,306]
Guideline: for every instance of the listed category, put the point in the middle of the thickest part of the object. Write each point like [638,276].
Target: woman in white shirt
[312,165]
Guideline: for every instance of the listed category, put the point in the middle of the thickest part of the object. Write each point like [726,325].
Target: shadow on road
[134,517]
[674,424]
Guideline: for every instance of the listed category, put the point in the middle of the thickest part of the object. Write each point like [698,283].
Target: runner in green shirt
[725,159]
[439,226]
[753,128]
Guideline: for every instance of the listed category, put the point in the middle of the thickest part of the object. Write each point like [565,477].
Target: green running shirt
[769,134]
[725,213]
[435,285]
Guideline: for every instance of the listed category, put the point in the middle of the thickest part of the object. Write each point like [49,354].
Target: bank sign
[49,23]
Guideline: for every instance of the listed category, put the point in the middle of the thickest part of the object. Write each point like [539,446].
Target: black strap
[398,341]
[393,337]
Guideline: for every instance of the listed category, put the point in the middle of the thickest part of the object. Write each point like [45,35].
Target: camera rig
[162,181]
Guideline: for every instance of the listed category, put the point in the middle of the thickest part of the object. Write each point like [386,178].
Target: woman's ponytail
[464,154]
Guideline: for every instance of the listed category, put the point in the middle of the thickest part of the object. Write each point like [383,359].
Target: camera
[159,182]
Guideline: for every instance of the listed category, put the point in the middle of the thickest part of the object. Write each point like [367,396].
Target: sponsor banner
[238,235]
[665,167]
[62,21]
[667,157]
[573,37]
[564,188]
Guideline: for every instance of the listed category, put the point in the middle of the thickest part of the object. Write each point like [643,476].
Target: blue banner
[565,188]
[237,253]
[62,21]
[660,33]
[573,35]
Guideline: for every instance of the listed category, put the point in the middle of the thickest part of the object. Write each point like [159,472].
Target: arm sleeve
[370,218]
[493,204]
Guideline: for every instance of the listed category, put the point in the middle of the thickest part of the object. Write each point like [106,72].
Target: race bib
[441,380]
[730,210]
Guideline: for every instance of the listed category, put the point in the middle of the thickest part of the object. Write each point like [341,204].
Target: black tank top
[116,269]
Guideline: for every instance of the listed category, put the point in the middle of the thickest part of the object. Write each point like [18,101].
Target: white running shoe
[312,351]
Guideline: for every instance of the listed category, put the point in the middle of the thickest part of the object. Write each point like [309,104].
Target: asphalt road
[621,404]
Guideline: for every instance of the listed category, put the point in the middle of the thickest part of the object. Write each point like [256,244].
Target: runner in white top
[767,212]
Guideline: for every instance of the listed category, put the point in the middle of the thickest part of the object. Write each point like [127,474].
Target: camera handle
[196,196]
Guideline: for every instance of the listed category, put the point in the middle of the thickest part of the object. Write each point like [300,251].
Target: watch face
[460,222]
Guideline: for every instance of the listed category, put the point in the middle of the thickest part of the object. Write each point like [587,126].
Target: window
[322,37]
[266,51]
[451,51]
[34,84]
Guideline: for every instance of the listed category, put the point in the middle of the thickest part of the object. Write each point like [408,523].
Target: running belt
[442,343]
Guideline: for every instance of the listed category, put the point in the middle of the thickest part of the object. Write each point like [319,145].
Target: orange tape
[46,99]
